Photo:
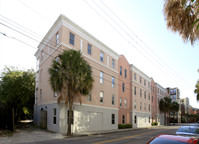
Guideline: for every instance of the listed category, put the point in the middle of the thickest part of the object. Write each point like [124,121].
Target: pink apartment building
[99,110]
[124,95]
[121,92]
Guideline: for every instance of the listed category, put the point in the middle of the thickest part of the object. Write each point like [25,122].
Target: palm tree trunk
[70,119]
[165,118]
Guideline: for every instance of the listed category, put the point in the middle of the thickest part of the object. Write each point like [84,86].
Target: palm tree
[174,108]
[165,106]
[197,90]
[71,77]
[182,17]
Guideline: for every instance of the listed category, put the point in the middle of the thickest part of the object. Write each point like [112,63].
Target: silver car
[188,130]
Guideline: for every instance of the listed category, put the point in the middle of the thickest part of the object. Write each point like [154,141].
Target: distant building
[185,102]
[174,94]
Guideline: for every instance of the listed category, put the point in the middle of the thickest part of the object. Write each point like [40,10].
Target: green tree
[17,90]
[182,17]
[196,91]
[165,106]
[71,77]
[174,108]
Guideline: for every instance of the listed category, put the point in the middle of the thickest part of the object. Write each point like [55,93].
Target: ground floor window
[71,117]
[135,119]
[113,118]
[123,119]
[54,116]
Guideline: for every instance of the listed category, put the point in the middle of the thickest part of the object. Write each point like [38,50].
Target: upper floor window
[135,104]
[72,39]
[113,82]
[140,105]
[134,90]
[123,87]
[42,55]
[134,76]
[120,102]
[149,97]
[113,99]
[125,73]
[144,106]
[145,94]
[113,63]
[57,38]
[89,50]
[140,93]
[140,79]
[101,77]
[40,94]
[145,82]
[125,103]
[89,96]
[149,107]
[101,97]
[101,56]
[120,70]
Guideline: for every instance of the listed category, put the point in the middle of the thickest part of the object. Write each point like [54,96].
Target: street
[141,136]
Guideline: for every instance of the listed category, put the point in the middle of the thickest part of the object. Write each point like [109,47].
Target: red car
[173,139]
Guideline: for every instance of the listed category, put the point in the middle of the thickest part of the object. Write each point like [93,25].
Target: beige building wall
[49,48]
[141,98]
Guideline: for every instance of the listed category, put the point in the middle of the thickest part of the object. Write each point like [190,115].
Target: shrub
[154,123]
[123,126]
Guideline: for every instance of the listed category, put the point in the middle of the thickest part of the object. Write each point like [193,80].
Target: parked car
[173,139]
[188,130]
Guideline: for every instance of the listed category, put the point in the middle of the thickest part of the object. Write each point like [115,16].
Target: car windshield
[165,141]
[188,130]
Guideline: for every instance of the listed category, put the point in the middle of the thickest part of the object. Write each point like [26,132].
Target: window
[144,106]
[101,77]
[120,70]
[145,82]
[42,55]
[145,94]
[40,94]
[120,102]
[149,107]
[57,38]
[113,63]
[149,119]
[125,73]
[123,119]
[135,119]
[113,99]
[135,104]
[140,79]
[134,76]
[148,84]
[89,96]
[113,82]
[134,90]
[101,97]
[140,105]
[55,94]
[113,118]
[54,116]
[123,87]
[72,117]
[89,49]
[140,93]
[125,103]
[72,39]
[149,96]
[101,56]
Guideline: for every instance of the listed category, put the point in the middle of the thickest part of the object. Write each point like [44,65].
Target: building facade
[141,98]
[101,105]
[121,93]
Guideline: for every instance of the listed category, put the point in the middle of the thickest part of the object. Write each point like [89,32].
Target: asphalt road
[127,137]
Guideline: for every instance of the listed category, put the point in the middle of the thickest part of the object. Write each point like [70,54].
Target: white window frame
[101,77]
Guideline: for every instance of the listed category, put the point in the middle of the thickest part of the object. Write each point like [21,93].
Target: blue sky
[140,34]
